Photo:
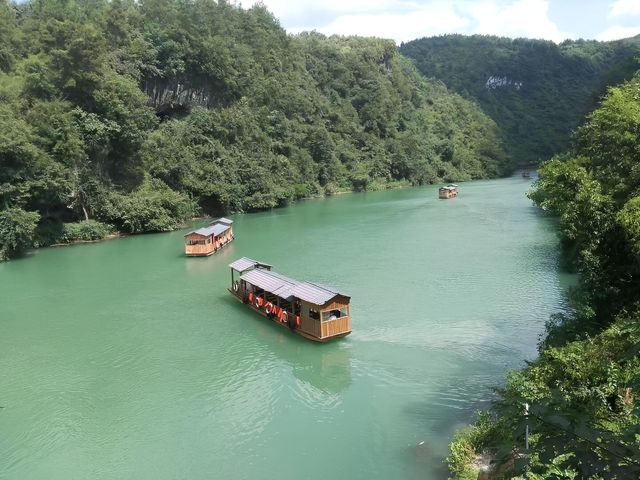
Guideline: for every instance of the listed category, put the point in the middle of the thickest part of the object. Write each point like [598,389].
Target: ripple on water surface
[126,360]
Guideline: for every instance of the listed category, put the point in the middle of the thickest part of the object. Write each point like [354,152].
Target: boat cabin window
[335,313]
[195,242]
[314,314]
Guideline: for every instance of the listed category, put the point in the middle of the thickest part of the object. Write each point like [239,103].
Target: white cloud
[433,19]
[621,8]
[617,32]
[410,19]
[285,9]
[522,18]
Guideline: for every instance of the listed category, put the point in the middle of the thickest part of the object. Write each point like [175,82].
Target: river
[124,359]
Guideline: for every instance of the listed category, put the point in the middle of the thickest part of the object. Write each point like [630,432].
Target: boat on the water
[450,191]
[208,240]
[526,174]
[314,311]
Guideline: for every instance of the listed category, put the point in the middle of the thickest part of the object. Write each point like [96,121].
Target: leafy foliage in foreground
[584,390]
[537,92]
[143,114]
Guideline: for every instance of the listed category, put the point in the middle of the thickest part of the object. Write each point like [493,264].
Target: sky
[404,20]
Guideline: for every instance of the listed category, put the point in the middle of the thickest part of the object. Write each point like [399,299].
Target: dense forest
[537,91]
[584,389]
[136,116]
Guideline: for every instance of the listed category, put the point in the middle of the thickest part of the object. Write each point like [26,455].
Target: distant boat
[208,240]
[450,191]
[526,174]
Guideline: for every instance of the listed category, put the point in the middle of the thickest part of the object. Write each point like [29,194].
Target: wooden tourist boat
[313,311]
[208,240]
[450,191]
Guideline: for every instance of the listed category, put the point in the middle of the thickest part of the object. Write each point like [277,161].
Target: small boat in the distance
[450,191]
[208,240]
[526,174]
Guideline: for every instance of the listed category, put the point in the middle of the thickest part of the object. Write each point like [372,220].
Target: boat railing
[329,328]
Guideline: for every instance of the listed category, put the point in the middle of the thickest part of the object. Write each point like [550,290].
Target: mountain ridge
[537,91]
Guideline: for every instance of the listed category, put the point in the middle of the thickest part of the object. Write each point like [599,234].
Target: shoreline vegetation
[111,234]
[583,390]
[141,116]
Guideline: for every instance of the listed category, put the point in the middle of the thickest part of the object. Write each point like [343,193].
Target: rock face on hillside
[496,81]
[166,96]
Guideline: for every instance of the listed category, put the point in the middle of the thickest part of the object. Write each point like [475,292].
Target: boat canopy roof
[224,220]
[216,229]
[243,264]
[271,282]
[288,288]
[314,293]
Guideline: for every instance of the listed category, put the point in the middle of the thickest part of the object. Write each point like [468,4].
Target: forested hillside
[584,390]
[139,115]
[536,91]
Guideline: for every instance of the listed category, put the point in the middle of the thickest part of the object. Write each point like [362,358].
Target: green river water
[126,360]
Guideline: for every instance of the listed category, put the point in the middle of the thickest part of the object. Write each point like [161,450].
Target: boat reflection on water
[321,372]
[327,368]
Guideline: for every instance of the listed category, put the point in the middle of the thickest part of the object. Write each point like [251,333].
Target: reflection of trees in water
[436,422]
[434,464]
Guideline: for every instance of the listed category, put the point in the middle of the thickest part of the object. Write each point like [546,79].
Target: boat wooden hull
[286,325]
[208,253]
[447,196]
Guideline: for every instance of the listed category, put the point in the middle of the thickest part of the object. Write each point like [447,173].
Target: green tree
[17,231]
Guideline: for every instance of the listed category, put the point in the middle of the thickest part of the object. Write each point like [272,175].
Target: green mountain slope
[140,115]
[536,91]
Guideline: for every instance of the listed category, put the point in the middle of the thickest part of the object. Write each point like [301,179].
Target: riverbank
[92,231]
[112,236]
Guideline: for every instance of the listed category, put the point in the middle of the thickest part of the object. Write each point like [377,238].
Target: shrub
[153,207]
[17,230]
[470,443]
[86,230]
